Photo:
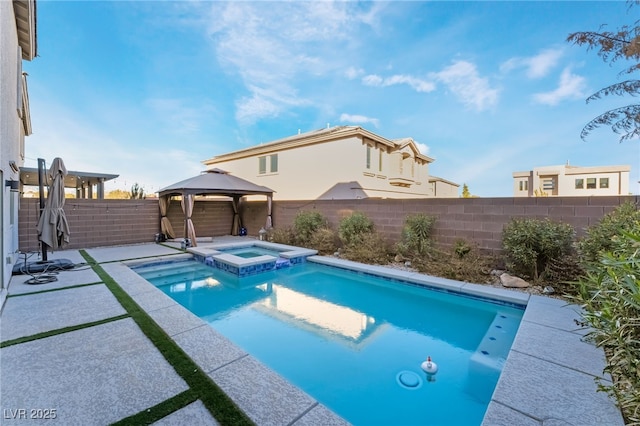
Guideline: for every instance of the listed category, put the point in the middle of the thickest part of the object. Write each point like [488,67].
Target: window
[579,183]
[591,183]
[368,157]
[548,184]
[262,165]
[380,161]
[524,185]
[604,182]
[273,164]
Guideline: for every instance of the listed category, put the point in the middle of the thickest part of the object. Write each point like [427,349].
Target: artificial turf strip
[221,407]
[159,411]
[59,331]
[53,289]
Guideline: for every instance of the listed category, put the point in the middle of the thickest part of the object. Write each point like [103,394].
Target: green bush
[281,235]
[529,245]
[610,297]
[599,237]
[354,228]
[370,248]
[416,234]
[324,240]
[305,224]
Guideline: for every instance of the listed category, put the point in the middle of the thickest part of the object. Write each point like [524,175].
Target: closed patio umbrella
[53,228]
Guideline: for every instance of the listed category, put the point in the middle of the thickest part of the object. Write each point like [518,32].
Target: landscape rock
[513,282]
[496,272]
[548,290]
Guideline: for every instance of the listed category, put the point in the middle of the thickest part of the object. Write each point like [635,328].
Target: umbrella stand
[41,168]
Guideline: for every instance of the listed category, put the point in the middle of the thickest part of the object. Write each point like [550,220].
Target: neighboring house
[17,43]
[442,188]
[568,181]
[342,162]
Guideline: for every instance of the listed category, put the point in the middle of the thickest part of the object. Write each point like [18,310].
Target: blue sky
[150,89]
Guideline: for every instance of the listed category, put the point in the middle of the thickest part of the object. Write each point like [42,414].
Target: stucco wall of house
[11,136]
[306,172]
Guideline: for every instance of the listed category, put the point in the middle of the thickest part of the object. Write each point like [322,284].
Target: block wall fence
[95,223]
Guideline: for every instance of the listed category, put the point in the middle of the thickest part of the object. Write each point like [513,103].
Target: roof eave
[289,143]
[25,14]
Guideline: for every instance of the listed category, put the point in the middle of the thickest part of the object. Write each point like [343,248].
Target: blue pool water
[355,342]
[249,252]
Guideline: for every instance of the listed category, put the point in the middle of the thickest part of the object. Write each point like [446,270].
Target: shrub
[324,240]
[610,297]
[281,235]
[416,234]
[461,248]
[353,228]
[305,224]
[370,248]
[599,237]
[530,244]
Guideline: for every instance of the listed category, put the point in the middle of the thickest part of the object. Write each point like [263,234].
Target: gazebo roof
[215,182]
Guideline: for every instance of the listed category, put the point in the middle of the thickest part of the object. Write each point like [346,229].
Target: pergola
[211,182]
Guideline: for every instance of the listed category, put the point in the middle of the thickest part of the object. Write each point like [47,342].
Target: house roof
[313,137]
[73,179]
[215,182]
[25,13]
[439,179]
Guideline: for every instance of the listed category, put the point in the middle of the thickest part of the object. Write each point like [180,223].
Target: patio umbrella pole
[41,177]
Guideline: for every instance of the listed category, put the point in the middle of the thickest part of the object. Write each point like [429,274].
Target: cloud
[352,73]
[536,66]
[270,45]
[463,80]
[571,86]
[359,119]
[423,148]
[416,84]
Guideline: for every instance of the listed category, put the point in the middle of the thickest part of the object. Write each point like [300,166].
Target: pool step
[496,343]
[171,269]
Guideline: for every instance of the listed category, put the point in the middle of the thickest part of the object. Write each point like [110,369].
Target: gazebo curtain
[235,227]
[269,219]
[187,208]
[165,224]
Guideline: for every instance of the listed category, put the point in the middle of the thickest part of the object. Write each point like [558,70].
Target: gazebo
[210,182]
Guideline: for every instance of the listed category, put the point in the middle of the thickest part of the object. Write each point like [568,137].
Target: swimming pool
[355,342]
[252,251]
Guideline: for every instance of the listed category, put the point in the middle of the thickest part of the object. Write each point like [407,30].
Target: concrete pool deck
[110,370]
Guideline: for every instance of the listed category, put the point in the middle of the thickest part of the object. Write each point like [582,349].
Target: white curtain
[187,208]
[269,219]
[235,227]
[165,224]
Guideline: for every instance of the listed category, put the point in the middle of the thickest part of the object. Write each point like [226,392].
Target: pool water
[356,342]
[249,252]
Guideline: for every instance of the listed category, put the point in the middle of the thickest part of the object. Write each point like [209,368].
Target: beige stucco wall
[306,172]
[11,136]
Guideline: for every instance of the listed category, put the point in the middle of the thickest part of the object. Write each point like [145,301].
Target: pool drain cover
[409,380]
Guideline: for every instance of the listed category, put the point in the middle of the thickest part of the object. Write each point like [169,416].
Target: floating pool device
[431,368]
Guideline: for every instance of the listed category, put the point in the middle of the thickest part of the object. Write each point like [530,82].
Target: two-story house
[342,162]
[17,44]
[572,181]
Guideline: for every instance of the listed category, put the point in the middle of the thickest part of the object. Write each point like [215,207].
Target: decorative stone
[407,263]
[548,290]
[496,272]
[399,258]
[513,282]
